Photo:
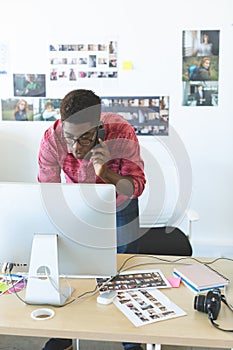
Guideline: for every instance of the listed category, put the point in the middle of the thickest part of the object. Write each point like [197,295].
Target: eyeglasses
[83,140]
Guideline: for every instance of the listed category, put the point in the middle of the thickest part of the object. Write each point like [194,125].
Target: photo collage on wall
[66,64]
[30,109]
[200,67]
[149,115]
[70,62]
[26,105]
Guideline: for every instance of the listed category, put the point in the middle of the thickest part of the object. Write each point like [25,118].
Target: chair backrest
[157,241]
[158,201]
[163,205]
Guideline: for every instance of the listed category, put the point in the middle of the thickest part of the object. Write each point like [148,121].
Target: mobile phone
[100,135]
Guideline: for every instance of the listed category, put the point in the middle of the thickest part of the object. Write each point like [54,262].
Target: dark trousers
[127,219]
[127,232]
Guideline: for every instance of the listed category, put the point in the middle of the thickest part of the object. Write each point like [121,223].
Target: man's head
[80,106]
[80,114]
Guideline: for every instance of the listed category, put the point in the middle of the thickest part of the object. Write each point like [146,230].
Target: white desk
[85,319]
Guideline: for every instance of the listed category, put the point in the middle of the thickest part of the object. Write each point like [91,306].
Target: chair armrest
[192,216]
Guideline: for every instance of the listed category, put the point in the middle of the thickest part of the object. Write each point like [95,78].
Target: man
[199,96]
[73,146]
[203,97]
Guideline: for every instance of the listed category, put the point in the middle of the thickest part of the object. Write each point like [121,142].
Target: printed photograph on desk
[149,115]
[134,280]
[146,306]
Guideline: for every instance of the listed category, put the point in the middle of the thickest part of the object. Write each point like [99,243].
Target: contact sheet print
[69,62]
[144,306]
[133,280]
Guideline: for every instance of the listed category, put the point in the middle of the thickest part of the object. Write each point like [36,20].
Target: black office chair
[168,240]
[164,241]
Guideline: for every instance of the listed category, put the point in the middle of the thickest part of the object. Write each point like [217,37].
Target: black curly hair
[80,106]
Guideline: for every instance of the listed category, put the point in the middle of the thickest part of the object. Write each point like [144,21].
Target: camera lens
[199,303]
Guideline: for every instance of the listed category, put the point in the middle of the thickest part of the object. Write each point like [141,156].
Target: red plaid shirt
[122,142]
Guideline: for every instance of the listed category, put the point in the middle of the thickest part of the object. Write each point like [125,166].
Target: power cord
[180,260]
[83,295]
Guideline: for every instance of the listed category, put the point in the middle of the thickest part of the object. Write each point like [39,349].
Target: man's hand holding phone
[100,156]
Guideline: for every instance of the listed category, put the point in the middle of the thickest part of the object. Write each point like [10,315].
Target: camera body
[210,303]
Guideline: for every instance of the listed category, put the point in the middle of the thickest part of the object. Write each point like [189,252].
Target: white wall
[149,35]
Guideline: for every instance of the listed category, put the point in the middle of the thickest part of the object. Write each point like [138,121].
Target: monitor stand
[43,278]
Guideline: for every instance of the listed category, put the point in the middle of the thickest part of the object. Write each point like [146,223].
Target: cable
[168,261]
[224,300]
[53,283]
[85,294]
[160,260]
[216,325]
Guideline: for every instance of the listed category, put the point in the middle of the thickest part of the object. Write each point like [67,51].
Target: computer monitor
[80,219]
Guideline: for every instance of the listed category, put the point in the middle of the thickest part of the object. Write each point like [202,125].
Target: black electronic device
[211,304]
[100,134]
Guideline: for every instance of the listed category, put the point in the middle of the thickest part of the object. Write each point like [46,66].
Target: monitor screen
[82,216]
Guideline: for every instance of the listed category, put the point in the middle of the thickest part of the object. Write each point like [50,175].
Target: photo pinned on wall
[71,62]
[30,109]
[149,115]
[32,85]
[200,67]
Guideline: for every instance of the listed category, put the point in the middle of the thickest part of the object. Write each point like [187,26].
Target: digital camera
[210,303]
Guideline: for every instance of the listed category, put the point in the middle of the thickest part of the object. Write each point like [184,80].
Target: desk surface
[85,319]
